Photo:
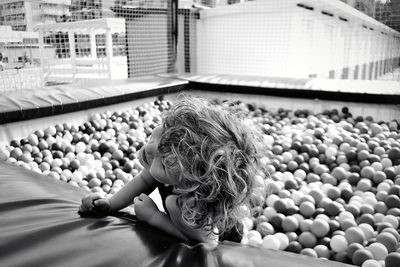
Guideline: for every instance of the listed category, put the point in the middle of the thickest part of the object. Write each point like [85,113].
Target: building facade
[395,15]
[383,12]
[388,12]
[24,15]
[365,6]
[91,9]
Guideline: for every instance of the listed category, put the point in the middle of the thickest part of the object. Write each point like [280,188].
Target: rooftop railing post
[172,34]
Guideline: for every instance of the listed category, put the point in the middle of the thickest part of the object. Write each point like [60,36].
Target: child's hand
[94,204]
[145,207]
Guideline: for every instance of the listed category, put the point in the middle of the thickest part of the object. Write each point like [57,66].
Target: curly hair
[214,154]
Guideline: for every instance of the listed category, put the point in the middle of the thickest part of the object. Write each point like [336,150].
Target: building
[21,48]
[388,12]
[383,12]
[365,6]
[395,14]
[91,9]
[24,15]
[21,59]
[91,52]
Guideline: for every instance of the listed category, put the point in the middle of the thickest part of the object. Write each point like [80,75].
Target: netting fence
[49,42]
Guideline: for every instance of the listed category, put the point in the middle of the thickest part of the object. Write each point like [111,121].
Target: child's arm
[146,210]
[96,203]
[173,224]
[175,215]
[141,183]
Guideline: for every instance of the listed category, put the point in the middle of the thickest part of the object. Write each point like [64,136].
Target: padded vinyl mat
[40,226]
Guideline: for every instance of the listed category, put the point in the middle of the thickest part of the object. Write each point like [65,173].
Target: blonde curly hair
[215,156]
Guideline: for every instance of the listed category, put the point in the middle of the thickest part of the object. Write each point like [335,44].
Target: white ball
[80,147]
[379,251]
[271,242]
[84,170]
[338,243]
[371,263]
[254,238]
[4,153]
[283,240]
[271,199]
[367,229]
[269,212]
[76,176]
[392,220]
[345,215]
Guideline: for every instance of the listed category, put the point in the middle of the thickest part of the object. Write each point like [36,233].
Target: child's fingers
[88,203]
[85,208]
[136,200]
[102,205]
[82,209]
[143,197]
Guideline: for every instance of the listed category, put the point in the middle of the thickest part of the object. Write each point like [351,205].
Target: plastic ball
[378,250]
[353,248]
[367,229]
[338,243]
[294,246]
[319,227]
[265,228]
[345,215]
[290,224]
[371,263]
[271,199]
[354,235]
[307,209]
[322,251]
[309,252]
[254,238]
[307,239]
[283,241]
[331,152]
[292,236]
[388,240]
[269,212]
[392,260]
[361,255]
[393,232]
[271,242]
[392,220]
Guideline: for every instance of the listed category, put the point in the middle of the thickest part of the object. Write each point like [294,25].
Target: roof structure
[87,26]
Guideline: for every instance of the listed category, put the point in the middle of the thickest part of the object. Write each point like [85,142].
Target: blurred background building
[365,6]
[394,7]
[24,15]
[91,9]
[328,39]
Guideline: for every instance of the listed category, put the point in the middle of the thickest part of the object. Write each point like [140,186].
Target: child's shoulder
[164,191]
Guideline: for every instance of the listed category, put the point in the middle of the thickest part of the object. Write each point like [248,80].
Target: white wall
[278,38]
[233,42]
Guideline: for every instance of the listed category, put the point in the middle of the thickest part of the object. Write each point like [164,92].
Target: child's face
[151,159]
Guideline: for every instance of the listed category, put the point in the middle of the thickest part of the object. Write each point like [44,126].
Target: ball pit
[329,186]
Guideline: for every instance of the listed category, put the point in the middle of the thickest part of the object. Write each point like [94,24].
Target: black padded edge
[21,115]
[297,93]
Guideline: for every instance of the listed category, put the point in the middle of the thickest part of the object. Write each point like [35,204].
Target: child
[202,159]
